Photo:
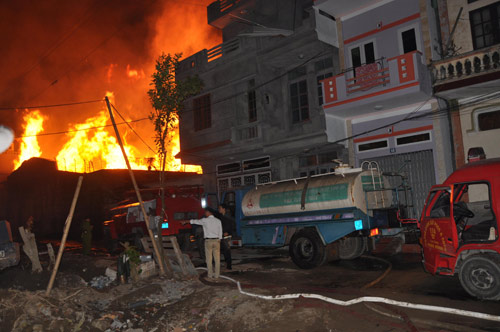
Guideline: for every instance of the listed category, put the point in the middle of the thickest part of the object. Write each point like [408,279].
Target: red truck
[460,228]
[181,203]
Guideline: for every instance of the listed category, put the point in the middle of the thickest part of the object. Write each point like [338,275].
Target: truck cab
[180,204]
[459,228]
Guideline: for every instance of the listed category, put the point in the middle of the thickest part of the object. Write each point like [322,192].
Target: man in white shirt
[212,230]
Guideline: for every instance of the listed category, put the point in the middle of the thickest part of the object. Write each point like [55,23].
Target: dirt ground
[158,304]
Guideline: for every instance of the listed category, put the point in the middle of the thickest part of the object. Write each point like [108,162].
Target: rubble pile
[123,307]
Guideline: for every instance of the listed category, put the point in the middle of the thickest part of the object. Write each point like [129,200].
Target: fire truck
[459,228]
[181,203]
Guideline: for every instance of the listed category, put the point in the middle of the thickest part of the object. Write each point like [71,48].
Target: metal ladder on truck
[373,166]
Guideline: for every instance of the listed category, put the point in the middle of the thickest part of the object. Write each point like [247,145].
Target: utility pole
[138,193]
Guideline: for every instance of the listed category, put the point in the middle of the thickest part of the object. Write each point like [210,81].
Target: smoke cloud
[57,51]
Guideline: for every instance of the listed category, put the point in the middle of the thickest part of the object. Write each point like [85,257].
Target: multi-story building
[259,116]
[382,99]
[467,79]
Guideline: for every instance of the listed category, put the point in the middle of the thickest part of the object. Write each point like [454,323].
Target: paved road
[274,271]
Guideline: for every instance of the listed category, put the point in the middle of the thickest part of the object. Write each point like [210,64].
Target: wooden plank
[67,225]
[178,254]
[30,249]
[52,257]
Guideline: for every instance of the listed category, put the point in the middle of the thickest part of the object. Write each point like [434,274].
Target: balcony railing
[223,49]
[466,65]
[219,12]
[246,132]
[374,80]
[368,76]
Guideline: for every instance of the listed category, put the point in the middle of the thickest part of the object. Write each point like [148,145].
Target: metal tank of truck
[321,218]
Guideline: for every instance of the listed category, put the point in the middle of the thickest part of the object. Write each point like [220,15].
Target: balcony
[384,84]
[246,132]
[206,59]
[452,76]
[222,12]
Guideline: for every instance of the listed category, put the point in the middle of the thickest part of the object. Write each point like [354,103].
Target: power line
[236,94]
[83,129]
[430,114]
[7,108]
[133,130]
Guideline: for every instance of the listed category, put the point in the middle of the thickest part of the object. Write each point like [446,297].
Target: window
[252,102]
[229,168]
[372,146]
[320,163]
[356,57]
[472,212]
[258,163]
[411,139]
[202,113]
[362,54]
[488,120]
[409,40]
[310,160]
[484,24]
[441,206]
[299,101]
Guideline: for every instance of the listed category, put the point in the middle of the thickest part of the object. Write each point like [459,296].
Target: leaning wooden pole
[136,188]
[67,225]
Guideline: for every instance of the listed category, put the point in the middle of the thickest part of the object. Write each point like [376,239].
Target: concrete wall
[268,61]
[386,40]
[472,137]
[463,36]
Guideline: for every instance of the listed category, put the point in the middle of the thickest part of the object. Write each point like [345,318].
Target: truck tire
[480,276]
[184,242]
[351,247]
[306,249]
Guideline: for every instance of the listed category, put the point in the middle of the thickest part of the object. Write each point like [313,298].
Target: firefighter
[87,236]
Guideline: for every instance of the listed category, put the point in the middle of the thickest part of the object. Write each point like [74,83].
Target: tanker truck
[321,218]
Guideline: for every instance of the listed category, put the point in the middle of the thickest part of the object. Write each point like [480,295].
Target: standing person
[227,229]
[212,230]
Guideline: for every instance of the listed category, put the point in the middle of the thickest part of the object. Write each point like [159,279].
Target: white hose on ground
[372,299]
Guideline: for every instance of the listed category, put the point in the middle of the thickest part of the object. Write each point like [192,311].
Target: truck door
[438,231]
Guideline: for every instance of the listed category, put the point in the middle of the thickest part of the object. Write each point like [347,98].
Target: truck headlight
[203,202]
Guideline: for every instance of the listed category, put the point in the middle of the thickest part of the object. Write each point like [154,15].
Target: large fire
[87,150]
[29,148]
[178,28]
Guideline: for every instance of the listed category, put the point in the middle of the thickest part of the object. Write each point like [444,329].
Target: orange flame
[88,150]
[33,125]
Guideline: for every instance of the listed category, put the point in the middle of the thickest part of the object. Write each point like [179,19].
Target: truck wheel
[480,276]
[306,249]
[184,242]
[351,247]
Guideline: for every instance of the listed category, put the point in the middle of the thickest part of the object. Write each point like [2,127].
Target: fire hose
[368,299]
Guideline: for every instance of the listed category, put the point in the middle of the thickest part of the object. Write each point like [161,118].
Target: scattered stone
[101,282]
[116,324]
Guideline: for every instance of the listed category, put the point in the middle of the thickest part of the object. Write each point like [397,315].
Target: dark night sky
[57,51]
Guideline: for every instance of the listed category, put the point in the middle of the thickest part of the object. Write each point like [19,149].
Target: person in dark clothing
[227,229]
